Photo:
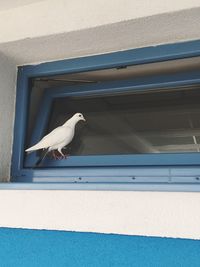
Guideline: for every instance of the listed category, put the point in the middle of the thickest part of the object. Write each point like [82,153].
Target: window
[142,129]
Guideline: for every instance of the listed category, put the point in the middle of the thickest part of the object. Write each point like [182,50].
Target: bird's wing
[55,137]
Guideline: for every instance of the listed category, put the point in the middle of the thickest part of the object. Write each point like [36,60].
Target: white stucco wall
[152,30]
[133,213]
[57,29]
[59,16]
[7,99]
[9,4]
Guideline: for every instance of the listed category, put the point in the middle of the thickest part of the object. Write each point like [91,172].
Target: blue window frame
[178,171]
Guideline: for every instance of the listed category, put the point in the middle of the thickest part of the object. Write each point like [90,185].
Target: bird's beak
[84,119]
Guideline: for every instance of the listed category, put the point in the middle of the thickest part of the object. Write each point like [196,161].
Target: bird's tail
[33,148]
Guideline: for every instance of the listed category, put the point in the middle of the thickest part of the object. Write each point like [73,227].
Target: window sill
[165,187]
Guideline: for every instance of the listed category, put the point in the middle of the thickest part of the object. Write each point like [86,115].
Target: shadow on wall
[20,247]
[8,71]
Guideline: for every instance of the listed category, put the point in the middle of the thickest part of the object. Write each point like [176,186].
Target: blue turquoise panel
[27,248]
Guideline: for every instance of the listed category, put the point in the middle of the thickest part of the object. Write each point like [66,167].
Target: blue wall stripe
[28,248]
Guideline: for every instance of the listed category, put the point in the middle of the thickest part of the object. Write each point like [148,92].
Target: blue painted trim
[124,58]
[102,186]
[116,59]
[20,121]
[149,83]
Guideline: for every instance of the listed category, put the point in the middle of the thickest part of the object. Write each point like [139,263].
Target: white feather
[54,138]
[59,137]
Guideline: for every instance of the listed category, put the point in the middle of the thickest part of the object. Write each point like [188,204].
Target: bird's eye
[80,115]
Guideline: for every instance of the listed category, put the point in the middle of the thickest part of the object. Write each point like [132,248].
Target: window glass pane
[39,85]
[162,121]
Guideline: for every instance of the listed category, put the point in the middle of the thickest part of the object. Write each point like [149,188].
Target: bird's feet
[63,157]
[57,156]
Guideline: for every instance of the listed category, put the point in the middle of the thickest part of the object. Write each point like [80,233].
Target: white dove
[59,137]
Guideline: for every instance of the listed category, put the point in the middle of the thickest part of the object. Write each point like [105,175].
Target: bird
[58,138]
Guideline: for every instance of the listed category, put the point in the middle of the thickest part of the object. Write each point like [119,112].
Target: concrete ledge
[142,32]
[133,213]
[42,18]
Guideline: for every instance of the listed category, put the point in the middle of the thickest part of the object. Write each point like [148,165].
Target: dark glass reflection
[153,122]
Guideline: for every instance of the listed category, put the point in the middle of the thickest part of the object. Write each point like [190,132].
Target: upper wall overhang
[52,30]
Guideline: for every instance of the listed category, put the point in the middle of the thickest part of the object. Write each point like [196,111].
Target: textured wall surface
[7,100]
[28,248]
[58,16]
[133,213]
[127,34]
[9,4]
